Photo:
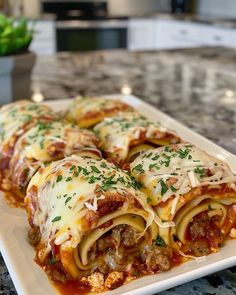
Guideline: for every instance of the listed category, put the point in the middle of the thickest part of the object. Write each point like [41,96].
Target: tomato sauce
[72,288]
[13,200]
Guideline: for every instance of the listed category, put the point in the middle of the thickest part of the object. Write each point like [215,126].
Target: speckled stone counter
[195,86]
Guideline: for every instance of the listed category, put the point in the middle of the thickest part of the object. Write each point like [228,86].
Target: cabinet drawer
[172,34]
[185,30]
[215,36]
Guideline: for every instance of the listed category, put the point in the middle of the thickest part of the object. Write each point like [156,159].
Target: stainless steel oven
[91,35]
[86,25]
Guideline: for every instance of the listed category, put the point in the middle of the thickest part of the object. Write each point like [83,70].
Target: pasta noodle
[88,111]
[44,143]
[93,214]
[192,189]
[126,135]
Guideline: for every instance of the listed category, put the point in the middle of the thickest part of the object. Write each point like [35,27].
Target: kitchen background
[76,25]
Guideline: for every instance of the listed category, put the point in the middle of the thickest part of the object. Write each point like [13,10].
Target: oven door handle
[104,24]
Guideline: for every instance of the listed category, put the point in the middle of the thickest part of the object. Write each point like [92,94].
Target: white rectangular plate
[30,279]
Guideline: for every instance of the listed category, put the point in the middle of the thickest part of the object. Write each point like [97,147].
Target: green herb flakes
[59,178]
[160,242]
[139,168]
[57,218]
[68,179]
[200,171]
[173,189]
[164,187]
[67,200]
[95,169]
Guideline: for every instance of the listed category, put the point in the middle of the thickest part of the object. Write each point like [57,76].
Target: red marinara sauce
[72,288]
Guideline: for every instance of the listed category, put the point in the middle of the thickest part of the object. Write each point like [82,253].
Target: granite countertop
[229,23]
[195,86]
[220,22]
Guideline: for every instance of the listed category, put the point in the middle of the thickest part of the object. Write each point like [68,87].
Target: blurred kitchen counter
[195,86]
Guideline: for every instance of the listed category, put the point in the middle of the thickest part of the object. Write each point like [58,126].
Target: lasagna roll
[89,219]
[197,192]
[126,135]
[88,111]
[15,120]
[44,143]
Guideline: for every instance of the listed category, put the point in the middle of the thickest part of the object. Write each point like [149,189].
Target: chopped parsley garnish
[95,169]
[67,200]
[189,157]
[136,184]
[85,171]
[160,242]
[43,126]
[92,179]
[27,118]
[59,178]
[108,183]
[164,187]
[57,218]
[173,188]
[121,179]
[52,260]
[183,153]
[151,166]
[149,155]
[72,167]
[103,165]
[167,149]
[139,168]
[68,179]
[41,144]
[165,163]
[200,171]
[156,157]
[79,169]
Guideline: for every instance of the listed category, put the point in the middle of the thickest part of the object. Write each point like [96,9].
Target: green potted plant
[16,61]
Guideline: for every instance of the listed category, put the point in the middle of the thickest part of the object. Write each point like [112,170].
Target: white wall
[218,8]
[137,7]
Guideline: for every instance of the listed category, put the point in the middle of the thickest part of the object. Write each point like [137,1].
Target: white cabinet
[141,34]
[216,36]
[171,34]
[157,33]
[44,41]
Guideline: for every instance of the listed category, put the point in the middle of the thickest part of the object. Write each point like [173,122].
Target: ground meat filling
[128,237]
[200,247]
[156,258]
[121,250]
[204,235]
[34,236]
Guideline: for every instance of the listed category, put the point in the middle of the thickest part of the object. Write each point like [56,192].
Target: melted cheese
[88,111]
[35,144]
[47,142]
[65,188]
[14,117]
[172,171]
[117,133]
